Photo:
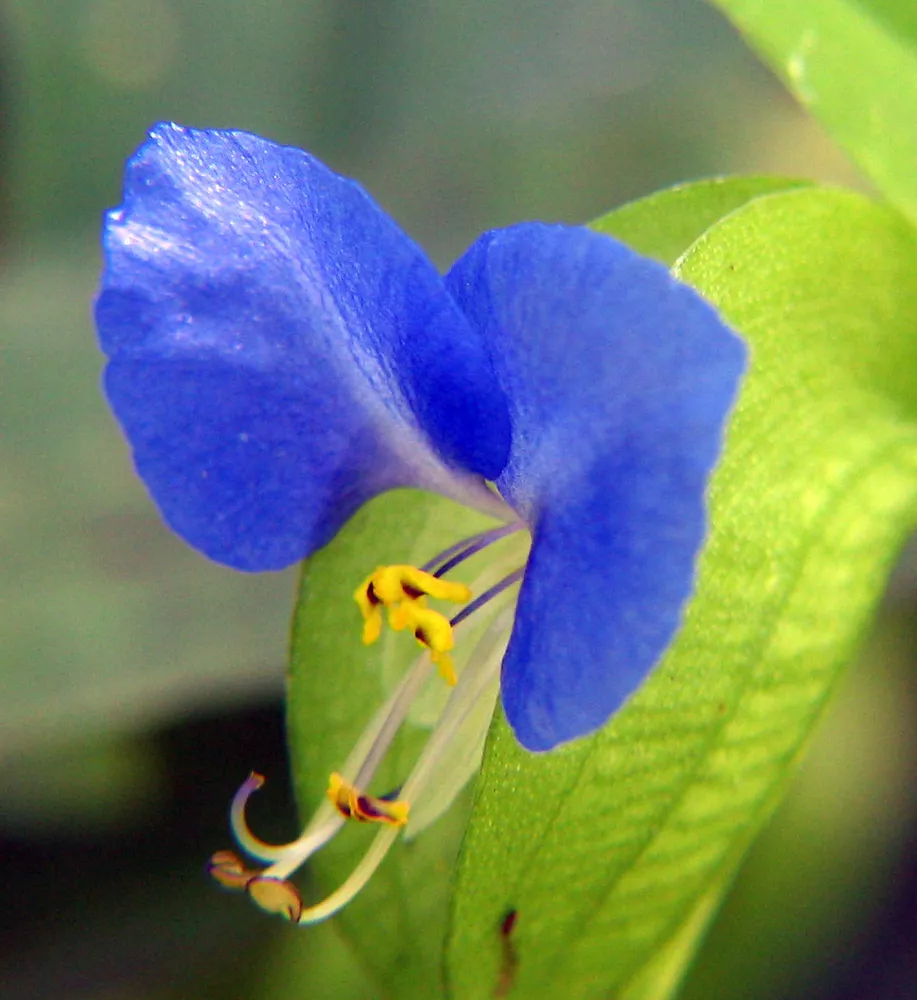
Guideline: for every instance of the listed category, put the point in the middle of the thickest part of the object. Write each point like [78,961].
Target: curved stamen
[254,846]
[269,888]
[319,831]
[355,881]
[361,764]
[480,672]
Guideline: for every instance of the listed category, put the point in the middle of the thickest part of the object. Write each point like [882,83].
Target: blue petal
[280,350]
[619,381]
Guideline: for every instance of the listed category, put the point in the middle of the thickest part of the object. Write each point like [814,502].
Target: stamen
[402,591]
[377,738]
[342,796]
[317,833]
[488,595]
[369,605]
[276,896]
[351,803]
[252,845]
[397,588]
[475,678]
[393,584]
[227,869]
[363,761]
[433,631]
[481,672]
[355,882]
[456,554]
[271,894]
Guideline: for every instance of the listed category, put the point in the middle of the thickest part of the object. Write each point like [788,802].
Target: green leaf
[665,224]
[608,848]
[898,16]
[853,63]
[318,957]
[801,895]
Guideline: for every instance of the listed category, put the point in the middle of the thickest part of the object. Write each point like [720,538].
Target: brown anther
[227,869]
[381,809]
[351,803]
[275,895]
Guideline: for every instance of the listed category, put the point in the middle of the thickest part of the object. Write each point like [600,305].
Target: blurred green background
[139,684]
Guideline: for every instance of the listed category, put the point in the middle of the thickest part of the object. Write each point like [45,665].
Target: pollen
[354,804]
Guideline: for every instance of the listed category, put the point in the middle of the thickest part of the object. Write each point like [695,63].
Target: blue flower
[280,352]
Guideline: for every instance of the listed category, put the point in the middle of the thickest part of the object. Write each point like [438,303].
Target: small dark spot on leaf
[510,960]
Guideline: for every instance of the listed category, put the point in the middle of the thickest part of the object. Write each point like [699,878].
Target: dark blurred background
[138,684]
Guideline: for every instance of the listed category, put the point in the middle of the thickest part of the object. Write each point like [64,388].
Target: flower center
[400,595]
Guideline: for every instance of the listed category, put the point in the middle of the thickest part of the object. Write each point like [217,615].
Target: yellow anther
[342,795]
[402,590]
[370,608]
[394,584]
[401,615]
[354,804]
[372,627]
[433,630]
[445,666]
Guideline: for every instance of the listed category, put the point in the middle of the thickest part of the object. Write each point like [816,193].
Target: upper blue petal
[619,381]
[280,350]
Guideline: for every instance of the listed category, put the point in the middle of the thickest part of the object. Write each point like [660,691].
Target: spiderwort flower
[280,352]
